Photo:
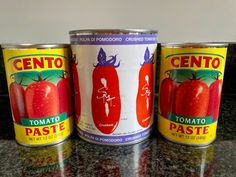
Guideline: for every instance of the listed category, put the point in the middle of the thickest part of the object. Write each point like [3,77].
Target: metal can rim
[112,31]
[195,45]
[38,46]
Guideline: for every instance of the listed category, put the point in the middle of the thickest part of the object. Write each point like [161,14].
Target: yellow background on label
[44,139]
[167,53]
[164,128]
[11,54]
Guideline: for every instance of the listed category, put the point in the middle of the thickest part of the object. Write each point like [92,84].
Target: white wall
[39,21]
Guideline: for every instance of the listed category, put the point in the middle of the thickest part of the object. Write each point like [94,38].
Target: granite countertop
[152,157]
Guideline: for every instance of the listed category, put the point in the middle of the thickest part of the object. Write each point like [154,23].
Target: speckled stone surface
[152,157]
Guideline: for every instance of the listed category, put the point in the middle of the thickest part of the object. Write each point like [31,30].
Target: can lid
[38,46]
[113,31]
[195,45]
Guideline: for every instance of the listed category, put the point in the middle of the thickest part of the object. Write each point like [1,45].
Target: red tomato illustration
[214,101]
[65,95]
[166,94]
[16,94]
[106,104]
[77,99]
[41,99]
[192,98]
[144,99]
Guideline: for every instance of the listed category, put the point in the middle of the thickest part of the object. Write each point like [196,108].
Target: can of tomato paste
[114,73]
[39,86]
[191,78]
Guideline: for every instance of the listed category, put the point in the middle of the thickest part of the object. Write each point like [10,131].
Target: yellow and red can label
[189,95]
[40,93]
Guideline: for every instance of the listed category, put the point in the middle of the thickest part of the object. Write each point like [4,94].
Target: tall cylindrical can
[114,73]
[191,78]
[40,92]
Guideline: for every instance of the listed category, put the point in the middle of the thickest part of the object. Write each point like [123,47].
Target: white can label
[115,88]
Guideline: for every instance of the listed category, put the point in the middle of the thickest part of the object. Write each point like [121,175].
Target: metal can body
[114,81]
[191,78]
[40,92]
